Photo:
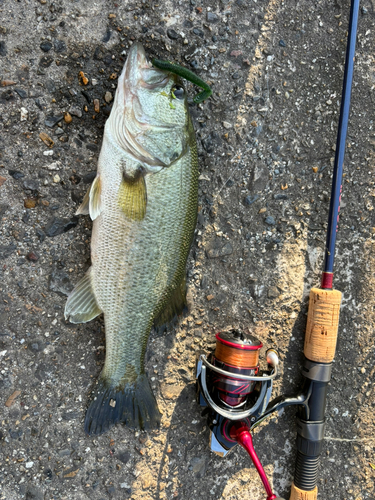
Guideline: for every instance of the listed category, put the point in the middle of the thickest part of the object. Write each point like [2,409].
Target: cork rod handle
[322,325]
[297,494]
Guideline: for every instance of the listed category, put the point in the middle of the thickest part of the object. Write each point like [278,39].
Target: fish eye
[179,92]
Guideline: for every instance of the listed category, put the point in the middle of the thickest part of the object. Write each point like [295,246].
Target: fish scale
[143,202]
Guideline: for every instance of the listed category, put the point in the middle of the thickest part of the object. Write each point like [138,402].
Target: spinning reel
[235,393]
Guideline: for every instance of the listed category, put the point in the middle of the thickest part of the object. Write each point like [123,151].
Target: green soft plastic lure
[188,75]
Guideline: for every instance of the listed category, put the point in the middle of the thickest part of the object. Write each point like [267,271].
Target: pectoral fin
[95,206]
[81,305]
[133,197]
[91,203]
[83,209]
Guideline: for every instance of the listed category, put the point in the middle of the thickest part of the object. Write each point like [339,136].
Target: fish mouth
[138,70]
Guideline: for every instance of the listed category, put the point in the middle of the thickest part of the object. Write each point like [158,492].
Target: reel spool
[235,393]
[236,353]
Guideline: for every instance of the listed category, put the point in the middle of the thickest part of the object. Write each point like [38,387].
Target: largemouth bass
[143,202]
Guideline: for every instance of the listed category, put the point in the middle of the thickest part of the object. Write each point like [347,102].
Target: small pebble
[83,78]
[282,43]
[46,46]
[24,114]
[212,17]
[59,131]
[51,121]
[216,252]
[32,257]
[46,139]
[280,196]
[56,178]
[86,95]
[5,83]
[16,174]
[31,184]
[58,225]
[199,32]
[3,49]
[227,125]
[59,46]
[76,112]
[270,220]
[250,199]
[236,53]
[172,34]
[29,203]
[96,105]
[22,93]
[41,235]
[108,97]
[67,117]
[56,165]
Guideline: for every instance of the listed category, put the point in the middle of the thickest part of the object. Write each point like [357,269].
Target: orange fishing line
[241,358]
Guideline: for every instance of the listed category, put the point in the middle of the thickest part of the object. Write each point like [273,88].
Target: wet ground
[266,143]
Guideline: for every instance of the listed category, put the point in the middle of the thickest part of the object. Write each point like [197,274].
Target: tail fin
[133,404]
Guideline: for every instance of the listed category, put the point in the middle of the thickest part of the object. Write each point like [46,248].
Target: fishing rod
[324,309]
[235,393]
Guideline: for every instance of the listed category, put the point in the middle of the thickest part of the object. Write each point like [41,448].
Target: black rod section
[341,139]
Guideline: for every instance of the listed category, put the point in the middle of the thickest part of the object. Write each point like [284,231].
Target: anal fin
[133,197]
[81,305]
[175,306]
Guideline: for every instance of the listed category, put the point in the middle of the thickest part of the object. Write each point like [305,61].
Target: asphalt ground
[266,144]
